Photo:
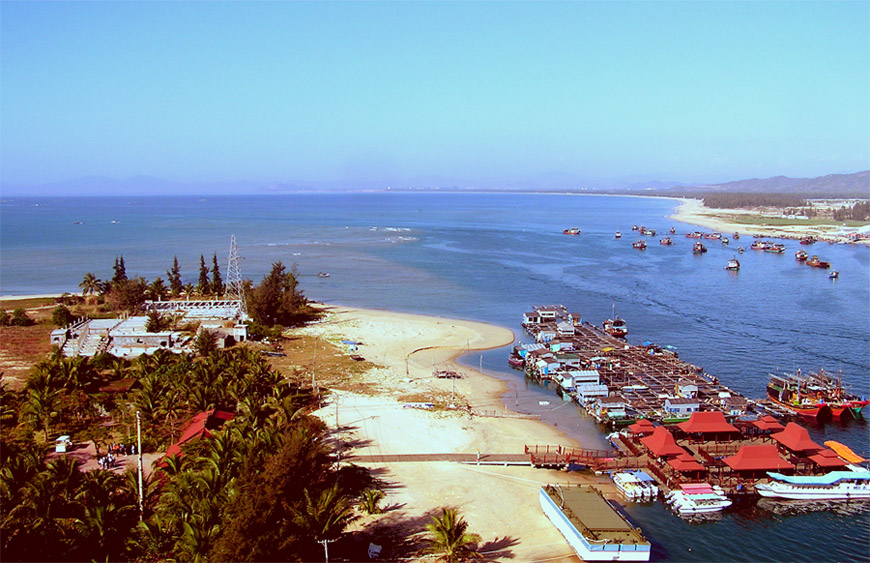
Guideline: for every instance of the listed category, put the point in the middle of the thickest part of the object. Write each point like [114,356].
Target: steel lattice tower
[235,289]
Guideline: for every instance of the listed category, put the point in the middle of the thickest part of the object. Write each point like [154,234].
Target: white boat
[635,485]
[698,498]
[837,485]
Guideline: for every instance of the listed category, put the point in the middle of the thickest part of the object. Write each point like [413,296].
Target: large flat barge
[593,528]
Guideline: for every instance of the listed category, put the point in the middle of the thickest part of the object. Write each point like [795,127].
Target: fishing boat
[833,275]
[616,327]
[694,234]
[713,236]
[736,235]
[572,231]
[740,249]
[814,396]
[651,232]
[590,524]
[673,231]
[617,235]
[759,245]
[816,263]
[836,485]
[801,255]
[699,248]
[725,240]
[666,241]
[809,239]
[640,245]
[322,274]
[634,227]
[777,248]
[697,498]
[733,264]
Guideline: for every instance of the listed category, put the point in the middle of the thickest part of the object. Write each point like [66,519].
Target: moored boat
[699,248]
[777,248]
[640,245]
[572,231]
[814,396]
[618,235]
[816,263]
[809,239]
[673,231]
[801,255]
[836,485]
[695,234]
[759,245]
[666,241]
[713,236]
[616,327]
[733,264]
[697,498]
[834,275]
[725,240]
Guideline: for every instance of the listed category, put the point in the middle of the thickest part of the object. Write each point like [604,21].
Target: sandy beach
[500,503]
[693,212]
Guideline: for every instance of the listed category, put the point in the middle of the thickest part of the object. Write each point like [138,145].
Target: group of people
[109,461]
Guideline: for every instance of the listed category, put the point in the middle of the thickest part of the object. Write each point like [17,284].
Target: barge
[592,527]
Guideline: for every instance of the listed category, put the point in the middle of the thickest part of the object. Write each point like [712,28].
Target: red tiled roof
[768,424]
[661,443]
[706,422]
[685,462]
[642,426]
[828,458]
[757,458]
[199,428]
[796,438]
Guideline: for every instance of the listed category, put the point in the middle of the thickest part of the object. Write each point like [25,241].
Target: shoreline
[693,212]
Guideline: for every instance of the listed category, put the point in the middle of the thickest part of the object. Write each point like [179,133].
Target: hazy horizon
[237,96]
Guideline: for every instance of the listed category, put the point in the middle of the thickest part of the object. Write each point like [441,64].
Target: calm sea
[489,257]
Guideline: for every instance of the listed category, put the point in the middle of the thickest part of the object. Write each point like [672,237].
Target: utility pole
[325,548]
[314,371]
[139,451]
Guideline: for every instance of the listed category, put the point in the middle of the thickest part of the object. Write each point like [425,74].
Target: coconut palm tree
[370,499]
[90,284]
[325,515]
[449,536]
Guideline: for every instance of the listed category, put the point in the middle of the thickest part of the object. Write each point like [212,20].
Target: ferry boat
[837,485]
[617,235]
[572,231]
[640,245]
[699,248]
[616,327]
[801,255]
[733,264]
[592,527]
[816,263]
[814,396]
[697,498]
[666,241]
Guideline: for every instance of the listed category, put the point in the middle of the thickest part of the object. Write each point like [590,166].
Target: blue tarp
[642,476]
[351,342]
[647,343]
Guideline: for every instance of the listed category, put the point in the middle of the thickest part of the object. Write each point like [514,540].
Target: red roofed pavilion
[759,458]
[200,427]
[768,424]
[709,425]
[685,462]
[828,458]
[661,443]
[796,438]
[642,427]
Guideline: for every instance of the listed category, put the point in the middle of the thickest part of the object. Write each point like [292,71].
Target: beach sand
[500,503]
[693,212]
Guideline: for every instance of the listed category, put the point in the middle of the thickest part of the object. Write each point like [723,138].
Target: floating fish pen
[628,382]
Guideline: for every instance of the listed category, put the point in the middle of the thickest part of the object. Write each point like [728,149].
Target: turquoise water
[489,257]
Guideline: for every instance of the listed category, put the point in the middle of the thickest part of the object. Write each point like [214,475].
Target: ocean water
[490,257]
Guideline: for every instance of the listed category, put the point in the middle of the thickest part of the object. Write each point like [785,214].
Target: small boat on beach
[640,245]
[801,255]
[699,248]
[733,265]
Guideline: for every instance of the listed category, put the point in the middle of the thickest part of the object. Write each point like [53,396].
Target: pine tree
[204,287]
[120,271]
[174,276]
[217,283]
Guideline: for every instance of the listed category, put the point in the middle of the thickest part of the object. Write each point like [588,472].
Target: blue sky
[485,93]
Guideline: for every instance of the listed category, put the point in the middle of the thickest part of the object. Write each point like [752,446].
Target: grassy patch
[765,221]
[12,304]
[20,348]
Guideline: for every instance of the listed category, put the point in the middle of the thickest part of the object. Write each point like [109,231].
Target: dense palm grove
[265,487]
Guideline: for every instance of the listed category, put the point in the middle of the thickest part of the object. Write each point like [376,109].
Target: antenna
[235,289]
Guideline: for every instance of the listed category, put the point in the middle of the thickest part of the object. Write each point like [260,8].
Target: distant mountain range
[830,186]
[855,185]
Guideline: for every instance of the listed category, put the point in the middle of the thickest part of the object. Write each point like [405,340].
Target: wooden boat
[713,236]
[777,248]
[695,234]
[725,240]
[740,249]
[640,245]
[699,248]
[617,235]
[673,231]
[572,231]
[634,227]
[616,327]
[666,241]
[736,235]
[834,275]
[733,264]
[759,245]
[816,263]
[808,239]
[800,255]
[814,396]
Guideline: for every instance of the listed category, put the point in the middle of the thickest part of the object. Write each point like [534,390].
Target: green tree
[205,343]
[174,277]
[370,499]
[90,284]
[154,322]
[204,286]
[129,295]
[217,283]
[188,289]
[448,536]
[20,318]
[157,290]
[120,271]
[278,300]
[61,316]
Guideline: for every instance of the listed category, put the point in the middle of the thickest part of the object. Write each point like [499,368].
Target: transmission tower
[235,289]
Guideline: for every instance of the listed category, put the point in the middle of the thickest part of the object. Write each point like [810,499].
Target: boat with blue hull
[593,528]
